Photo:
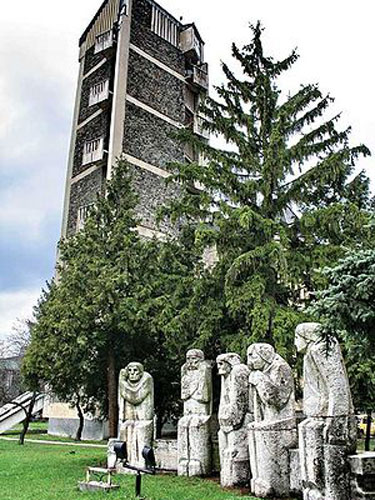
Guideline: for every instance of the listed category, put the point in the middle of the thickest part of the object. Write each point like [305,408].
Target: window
[165,26]
[83,213]
[104,41]
[93,151]
[99,92]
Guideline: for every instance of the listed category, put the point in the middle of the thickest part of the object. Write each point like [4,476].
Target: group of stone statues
[257,419]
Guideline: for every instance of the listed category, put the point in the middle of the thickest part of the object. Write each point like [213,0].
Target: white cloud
[16,305]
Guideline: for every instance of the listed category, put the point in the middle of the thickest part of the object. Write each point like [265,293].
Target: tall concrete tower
[141,76]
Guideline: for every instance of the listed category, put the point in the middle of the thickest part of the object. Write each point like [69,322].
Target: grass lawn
[51,472]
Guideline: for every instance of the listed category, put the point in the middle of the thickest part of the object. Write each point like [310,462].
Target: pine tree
[114,302]
[278,202]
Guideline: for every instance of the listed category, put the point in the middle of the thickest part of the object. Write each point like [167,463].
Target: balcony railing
[198,76]
[191,45]
[199,127]
[104,41]
[99,93]
[93,151]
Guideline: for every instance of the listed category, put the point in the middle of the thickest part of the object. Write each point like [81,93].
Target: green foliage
[278,203]
[346,308]
[113,303]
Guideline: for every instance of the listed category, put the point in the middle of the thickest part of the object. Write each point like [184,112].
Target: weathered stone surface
[362,476]
[152,192]
[327,436]
[84,192]
[234,418]
[98,127]
[166,454]
[194,437]
[273,432]
[156,87]
[150,138]
[295,472]
[136,397]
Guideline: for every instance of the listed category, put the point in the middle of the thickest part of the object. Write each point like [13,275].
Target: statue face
[254,360]
[134,373]
[192,362]
[223,368]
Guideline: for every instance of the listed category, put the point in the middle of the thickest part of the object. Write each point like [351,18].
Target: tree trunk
[368,430]
[112,394]
[159,426]
[26,422]
[81,421]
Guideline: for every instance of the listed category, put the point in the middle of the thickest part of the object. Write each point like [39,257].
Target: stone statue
[136,402]
[273,432]
[194,436]
[234,418]
[328,434]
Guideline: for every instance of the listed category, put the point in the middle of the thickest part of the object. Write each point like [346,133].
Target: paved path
[60,443]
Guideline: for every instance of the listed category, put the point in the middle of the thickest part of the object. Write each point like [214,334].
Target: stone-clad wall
[153,192]
[96,128]
[148,138]
[145,39]
[153,86]
[91,59]
[82,193]
[103,73]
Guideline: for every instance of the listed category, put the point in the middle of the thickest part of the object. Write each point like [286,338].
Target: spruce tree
[278,202]
[114,302]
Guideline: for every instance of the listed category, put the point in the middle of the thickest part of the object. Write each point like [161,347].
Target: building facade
[142,75]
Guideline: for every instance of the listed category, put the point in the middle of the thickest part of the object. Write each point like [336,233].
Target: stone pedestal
[362,468]
[194,446]
[269,446]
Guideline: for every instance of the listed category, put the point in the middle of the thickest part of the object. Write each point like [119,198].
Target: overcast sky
[38,61]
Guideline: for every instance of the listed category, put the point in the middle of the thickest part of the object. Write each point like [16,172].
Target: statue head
[193,358]
[259,356]
[134,372]
[306,333]
[225,363]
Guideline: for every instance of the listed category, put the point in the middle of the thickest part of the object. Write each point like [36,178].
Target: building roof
[94,19]
[92,22]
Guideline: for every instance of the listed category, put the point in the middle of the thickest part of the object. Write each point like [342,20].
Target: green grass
[51,472]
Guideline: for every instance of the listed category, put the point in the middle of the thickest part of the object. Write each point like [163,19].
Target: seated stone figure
[194,436]
[328,434]
[273,432]
[136,401]
[234,418]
